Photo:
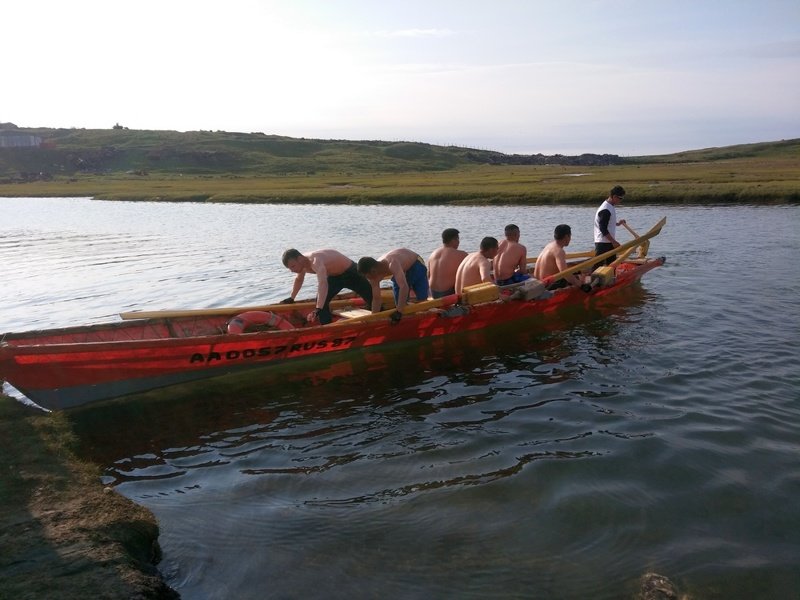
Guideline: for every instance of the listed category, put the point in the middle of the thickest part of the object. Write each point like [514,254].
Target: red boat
[69,367]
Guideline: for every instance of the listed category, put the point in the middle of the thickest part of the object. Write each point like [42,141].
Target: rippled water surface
[658,432]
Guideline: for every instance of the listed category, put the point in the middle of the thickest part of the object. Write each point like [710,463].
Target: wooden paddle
[644,247]
[656,229]
[408,310]
[233,310]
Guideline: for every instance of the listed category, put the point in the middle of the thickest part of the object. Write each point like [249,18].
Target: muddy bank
[61,531]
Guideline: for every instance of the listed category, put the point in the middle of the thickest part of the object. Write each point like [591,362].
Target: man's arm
[522,264]
[561,264]
[376,294]
[605,216]
[322,282]
[538,267]
[485,269]
[433,268]
[298,283]
[402,284]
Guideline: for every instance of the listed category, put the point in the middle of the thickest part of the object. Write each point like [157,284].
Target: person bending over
[407,270]
[334,272]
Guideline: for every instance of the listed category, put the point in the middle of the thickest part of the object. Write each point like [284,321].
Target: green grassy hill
[205,166]
[781,149]
[69,151]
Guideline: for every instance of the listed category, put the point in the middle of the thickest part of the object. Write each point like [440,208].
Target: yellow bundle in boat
[479,293]
[605,275]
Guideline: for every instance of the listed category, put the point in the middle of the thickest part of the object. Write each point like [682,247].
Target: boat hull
[60,369]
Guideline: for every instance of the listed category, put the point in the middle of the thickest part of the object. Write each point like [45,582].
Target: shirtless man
[443,264]
[553,259]
[334,272]
[477,266]
[511,262]
[408,272]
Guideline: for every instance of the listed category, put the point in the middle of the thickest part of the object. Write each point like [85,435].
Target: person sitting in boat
[511,262]
[443,264]
[334,272]
[553,259]
[407,270]
[477,266]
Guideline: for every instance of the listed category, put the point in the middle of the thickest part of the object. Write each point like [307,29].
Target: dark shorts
[442,294]
[351,280]
[602,248]
[515,278]
[417,278]
[561,283]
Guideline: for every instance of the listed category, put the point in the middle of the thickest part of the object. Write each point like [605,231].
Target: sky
[627,77]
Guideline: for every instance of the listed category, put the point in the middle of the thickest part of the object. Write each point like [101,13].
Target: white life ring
[252,318]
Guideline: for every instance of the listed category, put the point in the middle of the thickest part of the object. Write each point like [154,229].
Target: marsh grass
[255,168]
[753,180]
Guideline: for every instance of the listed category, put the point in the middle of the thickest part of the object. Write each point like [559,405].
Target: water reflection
[412,399]
[562,459]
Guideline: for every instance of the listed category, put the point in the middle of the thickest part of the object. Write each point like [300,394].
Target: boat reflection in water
[419,378]
[433,454]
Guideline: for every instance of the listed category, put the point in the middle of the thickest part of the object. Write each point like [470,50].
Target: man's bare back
[399,261]
[512,257]
[330,262]
[442,266]
[475,268]
[551,260]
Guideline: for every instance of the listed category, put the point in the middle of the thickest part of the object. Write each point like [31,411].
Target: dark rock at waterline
[658,587]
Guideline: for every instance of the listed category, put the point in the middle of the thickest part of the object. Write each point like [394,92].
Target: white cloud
[416,33]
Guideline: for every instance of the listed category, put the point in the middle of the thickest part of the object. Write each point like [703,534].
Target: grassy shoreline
[735,181]
[60,529]
[204,166]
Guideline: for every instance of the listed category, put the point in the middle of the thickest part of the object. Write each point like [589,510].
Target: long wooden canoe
[69,367]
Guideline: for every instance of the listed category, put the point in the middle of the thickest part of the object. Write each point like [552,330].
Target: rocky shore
[62,534]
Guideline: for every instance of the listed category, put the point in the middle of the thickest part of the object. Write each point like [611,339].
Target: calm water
[661,432]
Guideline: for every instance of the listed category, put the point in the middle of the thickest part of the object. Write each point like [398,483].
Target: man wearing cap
[605,224]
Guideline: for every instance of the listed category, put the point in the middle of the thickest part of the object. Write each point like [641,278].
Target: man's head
[512,232]
[617,194]
[489,247]
[293,260]
[366,265]
[562,234]
[450,237]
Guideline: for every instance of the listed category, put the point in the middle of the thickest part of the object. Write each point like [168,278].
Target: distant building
[20,141]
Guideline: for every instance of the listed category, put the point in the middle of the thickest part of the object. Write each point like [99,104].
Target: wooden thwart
[475,294]
[234,310]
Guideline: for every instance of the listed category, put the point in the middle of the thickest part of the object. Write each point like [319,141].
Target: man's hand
[313,315]
[621,222]
[396,316]
[288,300]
